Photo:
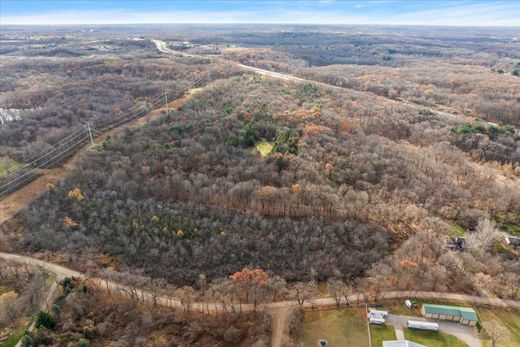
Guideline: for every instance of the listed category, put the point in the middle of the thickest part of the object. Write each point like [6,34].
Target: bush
[287,142]
[45,320]
[27,340]
[426,113]
[84,343]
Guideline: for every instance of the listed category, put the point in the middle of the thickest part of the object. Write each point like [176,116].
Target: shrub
[426,113]
[45,320]
[287,142]
[27,340]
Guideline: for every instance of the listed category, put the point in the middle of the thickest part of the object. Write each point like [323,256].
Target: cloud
[371,12]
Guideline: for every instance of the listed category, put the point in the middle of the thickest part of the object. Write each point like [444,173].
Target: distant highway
[163,47]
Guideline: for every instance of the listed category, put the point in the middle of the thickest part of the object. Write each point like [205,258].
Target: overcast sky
[406,12]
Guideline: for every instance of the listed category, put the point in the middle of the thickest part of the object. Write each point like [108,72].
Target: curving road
[278,310]
[163,47]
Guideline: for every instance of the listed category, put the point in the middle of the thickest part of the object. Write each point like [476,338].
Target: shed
[463,315]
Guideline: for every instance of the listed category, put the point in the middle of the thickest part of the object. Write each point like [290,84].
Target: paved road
[464,333]
[279,310]
[163,47]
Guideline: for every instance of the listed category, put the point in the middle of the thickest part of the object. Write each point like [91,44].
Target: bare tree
[498,334]
[305,291]
[485,236]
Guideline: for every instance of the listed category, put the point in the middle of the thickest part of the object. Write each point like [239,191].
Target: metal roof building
[463,315]
[401,343]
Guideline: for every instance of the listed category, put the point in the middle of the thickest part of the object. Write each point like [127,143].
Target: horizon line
[267,23]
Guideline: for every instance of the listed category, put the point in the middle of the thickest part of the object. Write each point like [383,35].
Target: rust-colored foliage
[252,276]
[70,223]
[76,194]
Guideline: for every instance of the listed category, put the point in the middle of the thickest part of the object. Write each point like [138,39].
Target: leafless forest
[397,141]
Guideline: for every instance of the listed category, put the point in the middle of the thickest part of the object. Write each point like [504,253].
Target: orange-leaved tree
[251,282]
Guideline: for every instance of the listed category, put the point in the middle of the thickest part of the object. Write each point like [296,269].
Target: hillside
[351,176]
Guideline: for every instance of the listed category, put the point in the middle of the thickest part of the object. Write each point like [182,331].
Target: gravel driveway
[465,333]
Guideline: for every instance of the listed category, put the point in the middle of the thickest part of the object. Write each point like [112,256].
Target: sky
[394,12]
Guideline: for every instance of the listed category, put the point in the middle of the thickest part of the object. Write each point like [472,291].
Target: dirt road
[280,311]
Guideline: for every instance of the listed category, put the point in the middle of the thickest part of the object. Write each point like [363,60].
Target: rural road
[163,47]
[279,310]
[464,333]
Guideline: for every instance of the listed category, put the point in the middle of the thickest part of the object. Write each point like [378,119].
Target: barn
[462,315]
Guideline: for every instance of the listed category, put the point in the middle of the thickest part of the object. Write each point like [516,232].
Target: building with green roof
[463,315]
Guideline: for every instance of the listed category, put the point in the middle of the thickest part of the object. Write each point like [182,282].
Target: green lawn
[457,230]
[400,308]
[15,337]
[341,327]
[509,223]
[380,333]
[433,338]
[511,320]
[8,165]
[264,147]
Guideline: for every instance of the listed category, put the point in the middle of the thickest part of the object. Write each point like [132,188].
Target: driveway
[464,333]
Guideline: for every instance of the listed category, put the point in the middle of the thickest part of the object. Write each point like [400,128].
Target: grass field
[400,308]
[4,289]
[380,333]
[511,320]
[341,327]
[15,337]
[457,230]
[433,338]
[509,223]
[264,147]
[7,165]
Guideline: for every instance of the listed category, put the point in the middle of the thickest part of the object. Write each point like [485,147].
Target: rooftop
[465,312]
[401,343]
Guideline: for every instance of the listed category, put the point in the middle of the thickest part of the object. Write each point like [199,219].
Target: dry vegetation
[88,316]
[357,188]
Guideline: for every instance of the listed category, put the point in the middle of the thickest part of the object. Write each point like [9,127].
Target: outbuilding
[462,315]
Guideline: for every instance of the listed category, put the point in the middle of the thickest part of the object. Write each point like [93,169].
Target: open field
[341,327]
[7,166]
[380,333]
[400,308]
[433,338]
[264,147]
[511,320]
[457,230]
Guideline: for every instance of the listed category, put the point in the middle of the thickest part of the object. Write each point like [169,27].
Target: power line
[72,142]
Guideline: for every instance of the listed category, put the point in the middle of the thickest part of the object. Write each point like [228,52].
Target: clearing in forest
[264,147]
[8,165]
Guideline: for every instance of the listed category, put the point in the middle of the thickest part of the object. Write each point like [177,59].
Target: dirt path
[14,202]
[280,311]
[280,324]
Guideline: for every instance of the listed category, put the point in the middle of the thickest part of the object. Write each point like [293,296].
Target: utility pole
[90,133]
[166,102]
